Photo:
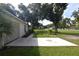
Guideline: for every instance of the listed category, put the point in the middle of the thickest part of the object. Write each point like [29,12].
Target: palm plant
[5,29]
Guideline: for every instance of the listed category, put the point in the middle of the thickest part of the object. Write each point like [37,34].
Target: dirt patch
[75,37]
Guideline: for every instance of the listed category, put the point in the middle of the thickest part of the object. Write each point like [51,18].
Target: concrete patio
[41,42]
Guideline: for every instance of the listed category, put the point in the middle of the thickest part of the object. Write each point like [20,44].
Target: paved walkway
[41,42]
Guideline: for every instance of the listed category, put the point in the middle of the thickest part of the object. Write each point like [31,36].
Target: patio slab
[41,42]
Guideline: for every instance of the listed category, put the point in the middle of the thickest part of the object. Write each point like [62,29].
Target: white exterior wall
[14,34]
[21,30]
[17,28]
[26,27]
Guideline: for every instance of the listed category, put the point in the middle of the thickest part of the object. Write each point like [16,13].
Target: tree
[75,14]
[66,23]
[35,14]
[73,24]
[5,29]
[9,7]
[53,12]
[24,14]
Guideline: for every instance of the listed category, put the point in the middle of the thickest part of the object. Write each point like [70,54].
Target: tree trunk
[56,28]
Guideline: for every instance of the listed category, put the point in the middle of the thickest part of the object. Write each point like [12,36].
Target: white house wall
[17,28]
[21,29]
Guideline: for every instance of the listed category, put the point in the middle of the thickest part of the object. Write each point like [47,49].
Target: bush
[50,31]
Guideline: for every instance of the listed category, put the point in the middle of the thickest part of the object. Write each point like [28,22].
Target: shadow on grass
[21,51]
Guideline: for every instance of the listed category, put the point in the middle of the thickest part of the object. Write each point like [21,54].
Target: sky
[67,13]
[70,8]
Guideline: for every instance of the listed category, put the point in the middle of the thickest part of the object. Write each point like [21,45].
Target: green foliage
[75,14]
[9,7]
[24,12]
[65,23]
[52,12]
[50,31]
[28,16]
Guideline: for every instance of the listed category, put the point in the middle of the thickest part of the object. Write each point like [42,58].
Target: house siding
[17,27]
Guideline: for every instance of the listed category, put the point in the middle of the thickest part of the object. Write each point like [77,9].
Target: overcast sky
[67,13]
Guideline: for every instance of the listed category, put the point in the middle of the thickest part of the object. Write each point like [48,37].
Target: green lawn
[41,32]
[46,51]
[61,34]
[41,51]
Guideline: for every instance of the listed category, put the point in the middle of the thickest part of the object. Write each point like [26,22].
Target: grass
[46,51]
[74,41]
[61,32]
[41,51]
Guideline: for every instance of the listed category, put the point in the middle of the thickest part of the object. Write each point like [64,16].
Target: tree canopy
[9,7]
[75,14]
[52,11]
